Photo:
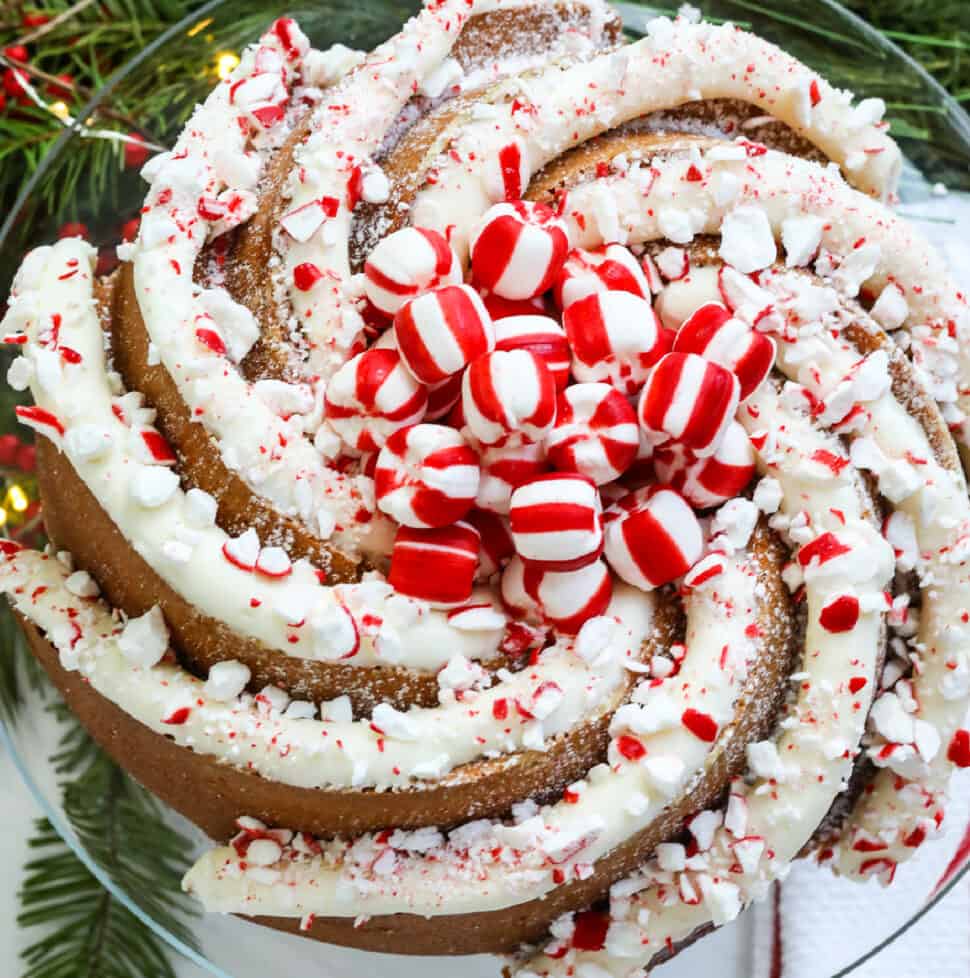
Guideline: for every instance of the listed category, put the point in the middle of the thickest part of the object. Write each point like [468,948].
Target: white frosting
[420,746]
[177,536]
[560,840]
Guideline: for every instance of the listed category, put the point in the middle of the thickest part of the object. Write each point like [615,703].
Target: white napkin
[818,924]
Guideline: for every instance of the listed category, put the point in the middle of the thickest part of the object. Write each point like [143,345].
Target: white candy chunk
[334,632]
[152,486]
[323,68]
[20,374]
[394,723]
[595,637]
[890,309]
[890,720]
[144,640]
[200,508]
[88,442]
[702,827]
[82,585]
[664,771]
[768,495]
[284,399]
[721,897]
[735,521]
[226,680]
[867,113]
[375,187]
[671,856]
[236,323]
[856,268]
[764,762]
[339,710]
[801,237]
[263,852]
[747,241]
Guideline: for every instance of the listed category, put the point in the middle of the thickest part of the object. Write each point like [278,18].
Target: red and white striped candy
[508,397]
[543,336]
[372,396]
[596,433]
[615,337]
[609,269]
[496,541]
[713,333]
[443,397]
[690,400]
[652,537]
[439,333]
[517,249]
[563,599]
[499,308]
[557,521]
[706,482]
[436,565]
[426,476]
[504,469]
[407,263]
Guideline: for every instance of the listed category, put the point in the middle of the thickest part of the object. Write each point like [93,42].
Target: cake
[513,481]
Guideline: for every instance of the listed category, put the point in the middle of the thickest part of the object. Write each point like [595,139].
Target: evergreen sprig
[19,671]
[86,931]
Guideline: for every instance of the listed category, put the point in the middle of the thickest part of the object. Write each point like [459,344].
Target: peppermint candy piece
[407,263]
[508,397]
[564,599]
[499,308]
[690,400]
[426,476]
[652,537]
[372,396]
[556,521]
[436,565]
[443,397]
[706,482]
[612,268]
[615,337]
[496,541]
[595,434]
[504,469]
[713,333]
[541,335]
[517,249]
[439,333]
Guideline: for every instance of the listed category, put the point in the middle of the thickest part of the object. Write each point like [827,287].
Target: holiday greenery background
[55,55]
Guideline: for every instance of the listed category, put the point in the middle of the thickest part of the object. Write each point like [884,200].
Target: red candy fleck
[959,749]
[840,615]
[701,725]
[630,747]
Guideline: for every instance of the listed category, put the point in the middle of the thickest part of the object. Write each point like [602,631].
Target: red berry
[3,101]
[17,52]
[26,459]
[13,82]
[62,88]
[34,20]
[136,153]
[129,230]
[9,446]
[74,229]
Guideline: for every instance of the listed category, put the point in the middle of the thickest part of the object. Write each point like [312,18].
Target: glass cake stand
[935,134]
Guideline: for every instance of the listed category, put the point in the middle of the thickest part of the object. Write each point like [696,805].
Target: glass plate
[935,134]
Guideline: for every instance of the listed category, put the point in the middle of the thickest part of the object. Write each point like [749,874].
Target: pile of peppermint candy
[541,420]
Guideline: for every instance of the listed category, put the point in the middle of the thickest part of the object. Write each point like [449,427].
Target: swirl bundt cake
[514,478]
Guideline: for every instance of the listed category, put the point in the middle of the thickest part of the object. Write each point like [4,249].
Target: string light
[59,109]
[17,499]
[3,516]
[200,26]
[226,62]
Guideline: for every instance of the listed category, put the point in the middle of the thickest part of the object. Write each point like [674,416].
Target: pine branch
[19,671]
[87,932]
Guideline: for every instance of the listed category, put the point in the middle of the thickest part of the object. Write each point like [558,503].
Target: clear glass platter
[935,134]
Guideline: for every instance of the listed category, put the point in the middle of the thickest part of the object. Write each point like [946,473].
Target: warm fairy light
[200,26]
[226,63]
[17,499]
[3,516]
[59,109]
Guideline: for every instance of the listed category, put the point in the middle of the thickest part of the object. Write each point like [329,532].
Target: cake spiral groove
[495,487]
